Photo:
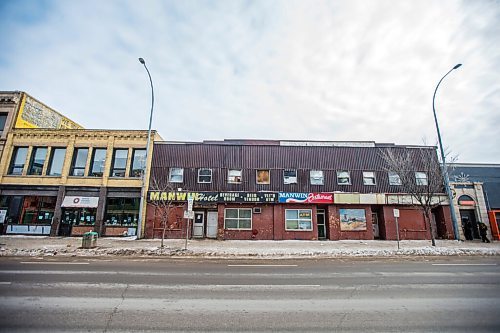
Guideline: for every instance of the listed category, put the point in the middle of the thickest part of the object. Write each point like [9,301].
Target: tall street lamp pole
[443,166]
[144,185]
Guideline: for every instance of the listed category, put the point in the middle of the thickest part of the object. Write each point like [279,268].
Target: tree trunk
[163,233]
[427,217]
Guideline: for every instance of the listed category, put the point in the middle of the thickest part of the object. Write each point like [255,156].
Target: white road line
[464,264]
[262,265]
[5,283]
[54,263]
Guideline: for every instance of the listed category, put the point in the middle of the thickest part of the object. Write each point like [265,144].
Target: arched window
[465,200]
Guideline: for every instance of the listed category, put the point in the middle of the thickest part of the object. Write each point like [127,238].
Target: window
[120,157]
[298,219]
[234,176]
[56,161]
[38,155]
[18,159]
[79,162]
[138,162]
[97,163]
[289,176]
[238,218]
[204,175]
[343,177]
[122,211]
[421,178]
[394,179]
[316,177]
[369,178]
[176,175]
[263,177]
[3,119]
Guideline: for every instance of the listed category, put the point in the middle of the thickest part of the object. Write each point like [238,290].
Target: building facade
[66,182]
[284,190]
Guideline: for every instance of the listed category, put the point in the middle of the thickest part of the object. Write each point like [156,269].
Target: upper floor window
[3,119]
[119,166]
[56,161]
[138,162]
[263,177]
[343,177]
[394,178]
[79,162]
[316,177]
[97,163]
[234,176]
[421,178]
[176,175]
[289,176]
[204,175]
[18,160]
[38,155]
[369,178]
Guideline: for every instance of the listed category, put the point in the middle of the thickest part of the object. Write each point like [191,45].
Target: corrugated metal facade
[276,158]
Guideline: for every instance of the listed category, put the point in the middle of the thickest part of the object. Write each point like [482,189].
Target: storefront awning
[84,202]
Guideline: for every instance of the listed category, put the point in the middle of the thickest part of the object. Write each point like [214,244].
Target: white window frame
[238,218]
[339,176]
[393,175]
[290,179]
[299,219]
[175,172]
[204,169]
[315,179]
[231,179]
[419,180]
[257,177]
[367,176]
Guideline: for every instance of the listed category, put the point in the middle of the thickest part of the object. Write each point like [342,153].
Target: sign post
[189,214]
[396,215]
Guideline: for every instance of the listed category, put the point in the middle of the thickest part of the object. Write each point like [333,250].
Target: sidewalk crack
[115,309]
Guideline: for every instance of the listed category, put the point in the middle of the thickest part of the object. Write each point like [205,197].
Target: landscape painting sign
[290,197]
[352,219]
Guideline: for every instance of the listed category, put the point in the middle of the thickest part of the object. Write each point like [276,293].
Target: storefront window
[56,161]
[238,218]
[79,216]
[120,157]
[38,210]
[79,162]
[38,156]
[18,160]
[298,219]
[97,163]
[138,162]
[122,211]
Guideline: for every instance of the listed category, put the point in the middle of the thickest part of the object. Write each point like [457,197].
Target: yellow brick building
[69,181]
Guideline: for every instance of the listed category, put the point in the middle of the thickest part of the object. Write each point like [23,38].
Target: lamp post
[144,185]
[443,166]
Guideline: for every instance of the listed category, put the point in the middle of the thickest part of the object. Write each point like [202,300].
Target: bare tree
[420,176]
[165,205]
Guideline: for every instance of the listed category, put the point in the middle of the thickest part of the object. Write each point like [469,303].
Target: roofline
[475,165]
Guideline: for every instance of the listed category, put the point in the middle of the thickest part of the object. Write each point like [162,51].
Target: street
[452,294]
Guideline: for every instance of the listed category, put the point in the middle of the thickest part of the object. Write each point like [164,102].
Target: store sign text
[289,197]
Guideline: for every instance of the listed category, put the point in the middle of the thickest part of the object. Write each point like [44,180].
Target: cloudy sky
[295,70]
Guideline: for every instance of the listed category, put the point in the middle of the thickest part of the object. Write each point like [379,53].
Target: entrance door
[376,230]
[68,219]
[320,217]
[212,224]
[198,225]
[469,224]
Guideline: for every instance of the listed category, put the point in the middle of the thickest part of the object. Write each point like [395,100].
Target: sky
[282,70]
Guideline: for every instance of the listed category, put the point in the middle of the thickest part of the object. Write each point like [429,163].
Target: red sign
[288,197]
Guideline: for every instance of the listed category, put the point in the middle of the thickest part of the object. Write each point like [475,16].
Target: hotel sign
[290,197]
[213,197]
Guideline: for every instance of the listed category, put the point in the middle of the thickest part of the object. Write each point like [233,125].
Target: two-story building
[256,189]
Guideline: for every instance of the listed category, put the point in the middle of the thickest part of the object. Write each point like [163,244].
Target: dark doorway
[469,224]
[321,222]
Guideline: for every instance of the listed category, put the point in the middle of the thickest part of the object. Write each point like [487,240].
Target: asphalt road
[351,295]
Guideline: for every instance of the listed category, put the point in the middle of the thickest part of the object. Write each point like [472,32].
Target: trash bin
[89,240]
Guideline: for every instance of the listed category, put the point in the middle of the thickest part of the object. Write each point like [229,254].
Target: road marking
[262,265]
[5,283]
[464,264]
[54,263]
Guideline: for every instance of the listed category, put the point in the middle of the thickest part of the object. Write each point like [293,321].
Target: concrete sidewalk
[129,246]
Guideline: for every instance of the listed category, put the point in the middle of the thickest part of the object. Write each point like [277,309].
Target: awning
[84,202]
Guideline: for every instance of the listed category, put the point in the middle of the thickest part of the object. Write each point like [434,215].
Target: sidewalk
[129,246]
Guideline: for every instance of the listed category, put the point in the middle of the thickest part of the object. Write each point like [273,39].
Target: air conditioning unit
[257,210]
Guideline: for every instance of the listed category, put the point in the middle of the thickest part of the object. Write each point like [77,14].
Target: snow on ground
[130,246]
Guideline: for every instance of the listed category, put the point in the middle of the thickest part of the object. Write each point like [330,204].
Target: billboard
[33,114]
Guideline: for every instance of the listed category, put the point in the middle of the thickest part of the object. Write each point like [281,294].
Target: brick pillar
[56,221]
[99,223]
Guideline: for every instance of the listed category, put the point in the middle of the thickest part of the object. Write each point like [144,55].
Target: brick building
[256,189]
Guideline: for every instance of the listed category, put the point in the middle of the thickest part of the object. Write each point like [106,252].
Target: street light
[144,185]
[444,170]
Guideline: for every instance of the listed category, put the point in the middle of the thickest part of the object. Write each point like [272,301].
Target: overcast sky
[295,70]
